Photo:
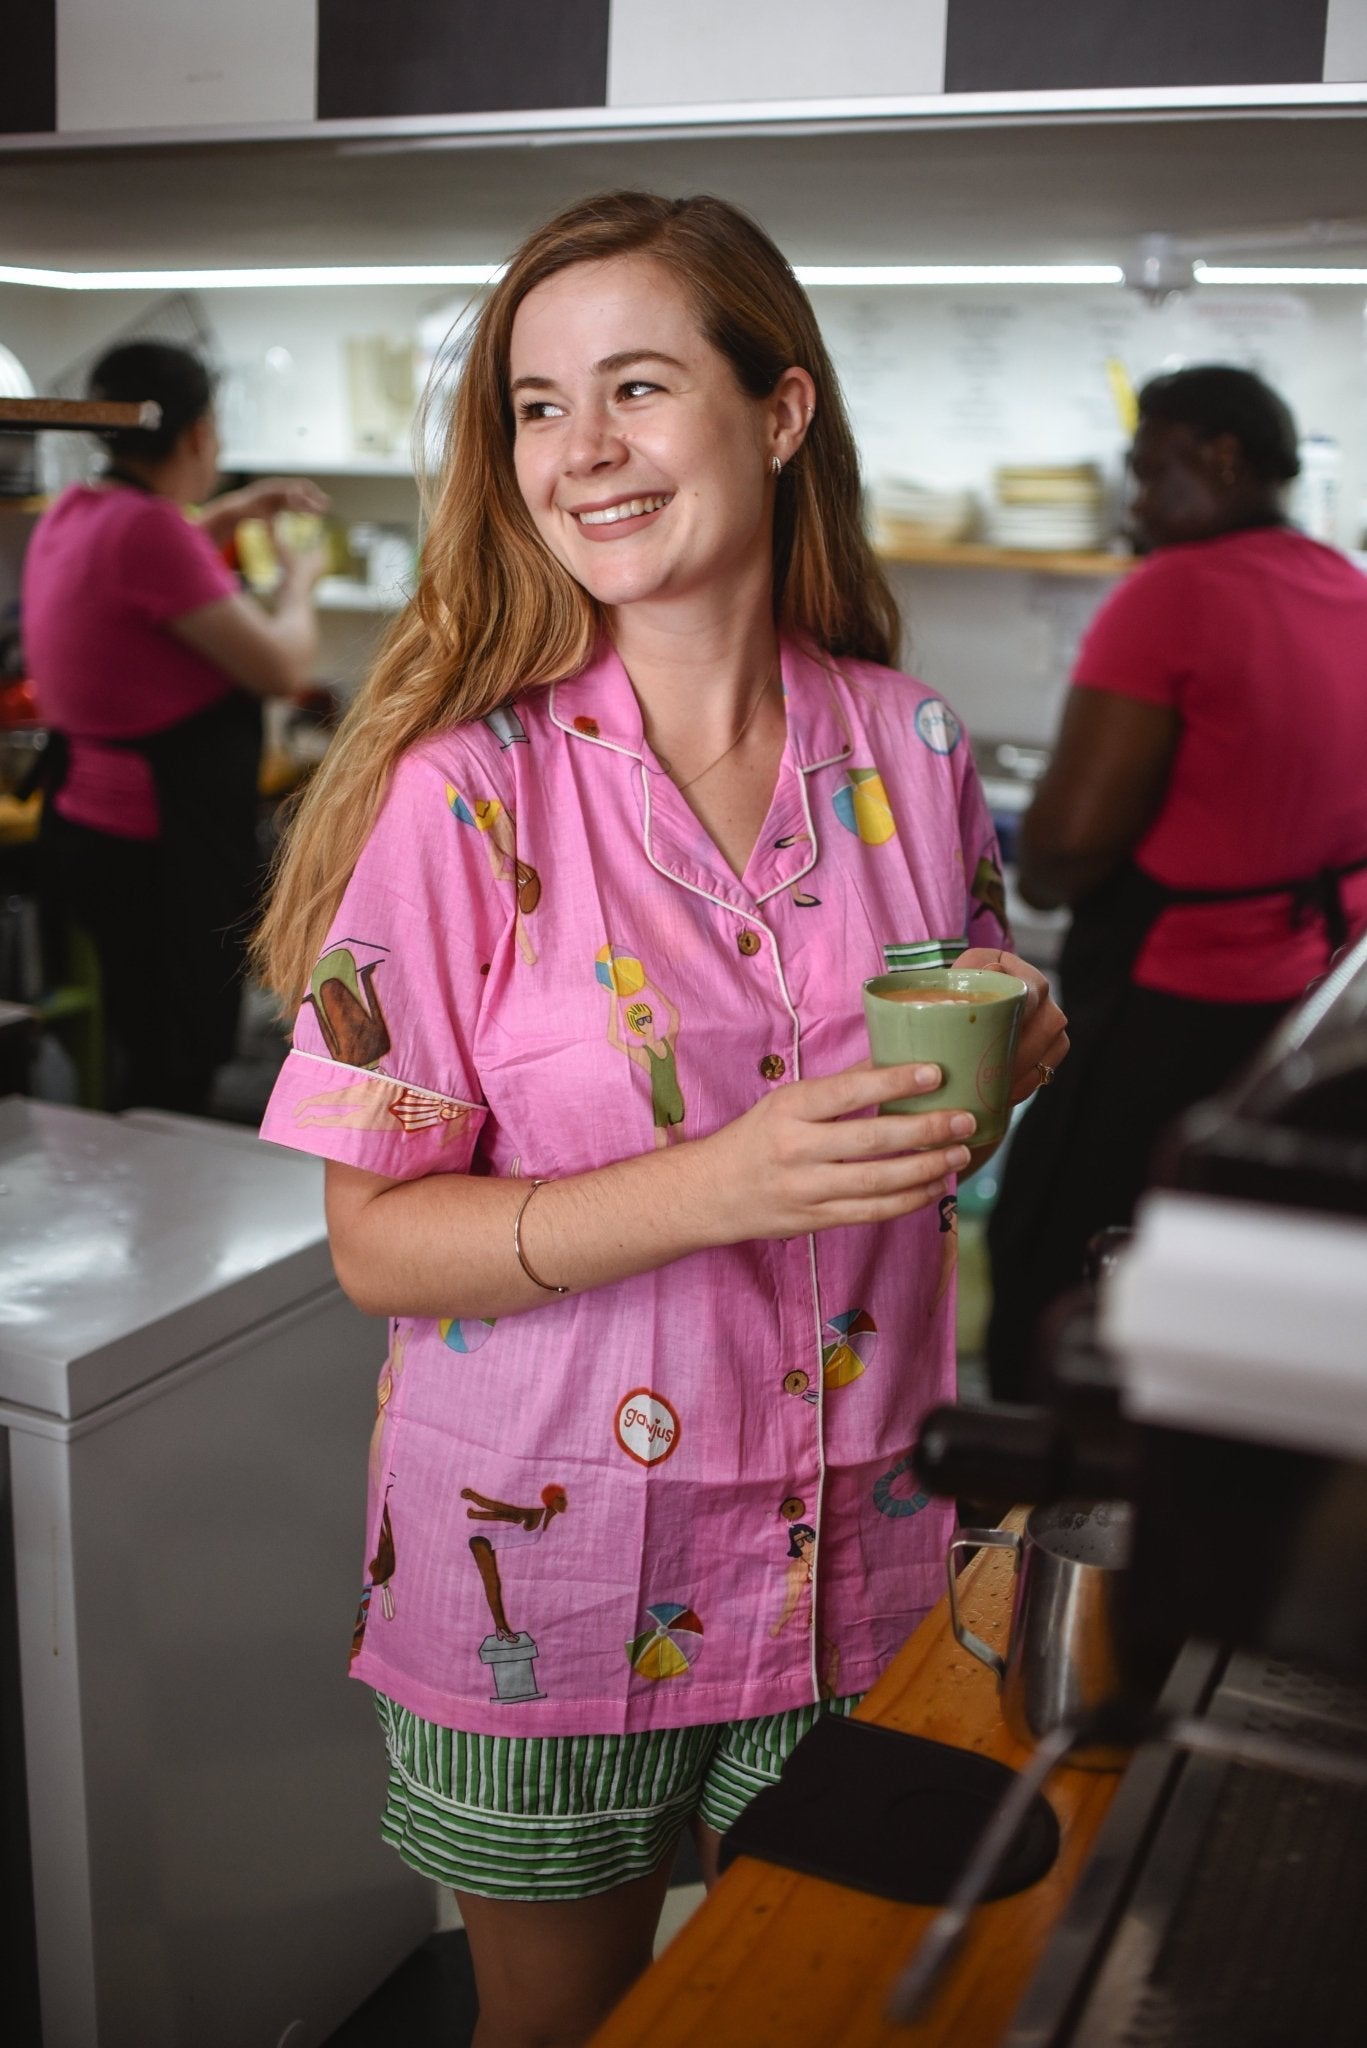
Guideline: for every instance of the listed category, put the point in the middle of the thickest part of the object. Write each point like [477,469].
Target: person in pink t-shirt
[1204,814]
[574,919]
[149,665]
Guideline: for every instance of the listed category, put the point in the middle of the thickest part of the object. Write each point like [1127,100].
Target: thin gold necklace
[760,695]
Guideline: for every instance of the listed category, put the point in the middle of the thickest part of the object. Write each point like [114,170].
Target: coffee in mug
[963,1020]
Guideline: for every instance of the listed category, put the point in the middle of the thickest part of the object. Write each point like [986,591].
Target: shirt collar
[598,707]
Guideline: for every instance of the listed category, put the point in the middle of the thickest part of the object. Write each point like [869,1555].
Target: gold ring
[1045,1072]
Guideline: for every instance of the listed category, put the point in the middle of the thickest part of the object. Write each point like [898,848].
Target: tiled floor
[430,2001]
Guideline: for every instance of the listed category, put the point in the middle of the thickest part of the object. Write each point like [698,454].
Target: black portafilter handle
[990,1452]
[993,1452]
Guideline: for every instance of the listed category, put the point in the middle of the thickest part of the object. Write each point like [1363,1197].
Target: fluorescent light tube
[1219,273]
[957,273]
[252,280]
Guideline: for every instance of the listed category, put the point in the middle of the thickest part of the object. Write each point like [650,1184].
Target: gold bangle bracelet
[535,1278]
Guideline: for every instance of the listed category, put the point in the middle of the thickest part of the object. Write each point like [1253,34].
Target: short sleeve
[168,566]
[383,1072]
[1141,641]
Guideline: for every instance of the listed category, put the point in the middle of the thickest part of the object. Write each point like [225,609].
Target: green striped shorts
[564,1816]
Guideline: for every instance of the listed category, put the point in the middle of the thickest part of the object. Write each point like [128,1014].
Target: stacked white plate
[909,514]
[1048,506]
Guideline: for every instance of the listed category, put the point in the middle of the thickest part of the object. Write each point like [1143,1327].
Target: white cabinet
[185,1401]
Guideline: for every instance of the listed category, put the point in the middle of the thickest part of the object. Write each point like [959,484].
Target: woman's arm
[801,1160]
[1100,794]
[269,653]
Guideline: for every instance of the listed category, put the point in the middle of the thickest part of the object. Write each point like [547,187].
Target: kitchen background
[157,137]
[945,385]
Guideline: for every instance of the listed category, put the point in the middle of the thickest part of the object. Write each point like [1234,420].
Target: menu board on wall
[943,386]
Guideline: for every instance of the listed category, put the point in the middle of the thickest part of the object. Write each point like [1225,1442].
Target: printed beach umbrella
[669,1645]
[459,809]
[861,804]
[849,1342]
[465,1333]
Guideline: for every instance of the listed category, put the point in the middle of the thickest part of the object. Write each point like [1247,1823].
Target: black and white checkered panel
[181,67]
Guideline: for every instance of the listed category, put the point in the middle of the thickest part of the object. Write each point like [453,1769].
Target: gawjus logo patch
[937,725]
[647,1427]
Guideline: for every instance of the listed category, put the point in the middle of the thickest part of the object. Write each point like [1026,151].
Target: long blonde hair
[495,613]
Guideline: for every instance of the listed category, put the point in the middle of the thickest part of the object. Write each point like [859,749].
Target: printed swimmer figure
[949,1248]
[643,1041]
[801,1552]
[497,824]
[382,1565]
[384,1394]
[519,1526]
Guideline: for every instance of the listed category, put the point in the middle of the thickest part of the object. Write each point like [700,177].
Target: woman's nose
[593,441]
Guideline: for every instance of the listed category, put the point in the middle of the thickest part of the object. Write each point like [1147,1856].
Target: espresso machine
[1216,1378]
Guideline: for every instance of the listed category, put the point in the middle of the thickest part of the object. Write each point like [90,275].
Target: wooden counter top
[773,1959]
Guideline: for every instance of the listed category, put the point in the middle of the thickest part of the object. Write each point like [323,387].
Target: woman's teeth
[632,509]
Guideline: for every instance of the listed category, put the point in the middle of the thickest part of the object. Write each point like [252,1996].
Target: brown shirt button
[748,943]
[793,1509]
[773,1067]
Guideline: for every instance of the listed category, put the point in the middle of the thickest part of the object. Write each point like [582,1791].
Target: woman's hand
[1043,1040]
[805,1159]
[275,494]
[222,516]
[300,568]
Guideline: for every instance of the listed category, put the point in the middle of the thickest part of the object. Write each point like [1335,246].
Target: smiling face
[645,467]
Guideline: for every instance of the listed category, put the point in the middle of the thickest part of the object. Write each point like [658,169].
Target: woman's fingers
[864,1086]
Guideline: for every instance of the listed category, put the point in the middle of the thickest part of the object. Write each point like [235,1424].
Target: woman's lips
[606,522]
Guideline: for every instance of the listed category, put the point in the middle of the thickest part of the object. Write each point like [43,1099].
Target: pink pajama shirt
[685,1497]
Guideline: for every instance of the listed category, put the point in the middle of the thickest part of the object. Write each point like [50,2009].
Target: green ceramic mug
[963,1020]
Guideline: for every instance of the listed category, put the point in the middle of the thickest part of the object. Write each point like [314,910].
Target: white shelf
[299,462]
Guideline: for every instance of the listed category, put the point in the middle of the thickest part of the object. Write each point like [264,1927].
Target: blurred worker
[1204,814]
[149,664]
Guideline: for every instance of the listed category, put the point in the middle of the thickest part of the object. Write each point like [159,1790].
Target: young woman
[666,1298]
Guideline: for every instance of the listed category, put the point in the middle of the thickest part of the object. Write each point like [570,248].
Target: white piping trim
[668,874]
[592,739]
[816,1306]
[322,1059]
[792,881]
[820,1466]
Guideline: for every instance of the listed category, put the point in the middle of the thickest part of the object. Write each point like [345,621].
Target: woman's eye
[539,409]
[637,388]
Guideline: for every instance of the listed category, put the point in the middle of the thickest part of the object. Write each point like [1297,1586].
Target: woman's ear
[792,406]
[1221,459]
[199,436]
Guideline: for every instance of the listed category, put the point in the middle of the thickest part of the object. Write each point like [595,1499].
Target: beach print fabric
[663,1503]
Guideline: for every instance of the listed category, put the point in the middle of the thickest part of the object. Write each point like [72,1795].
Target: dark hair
[177,380]
[1215,398]
[796,1529]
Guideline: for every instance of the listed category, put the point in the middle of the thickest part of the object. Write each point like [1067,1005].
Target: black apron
[206,772]
[1080,1155]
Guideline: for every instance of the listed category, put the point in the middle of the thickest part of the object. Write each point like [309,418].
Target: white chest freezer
[185,1404]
